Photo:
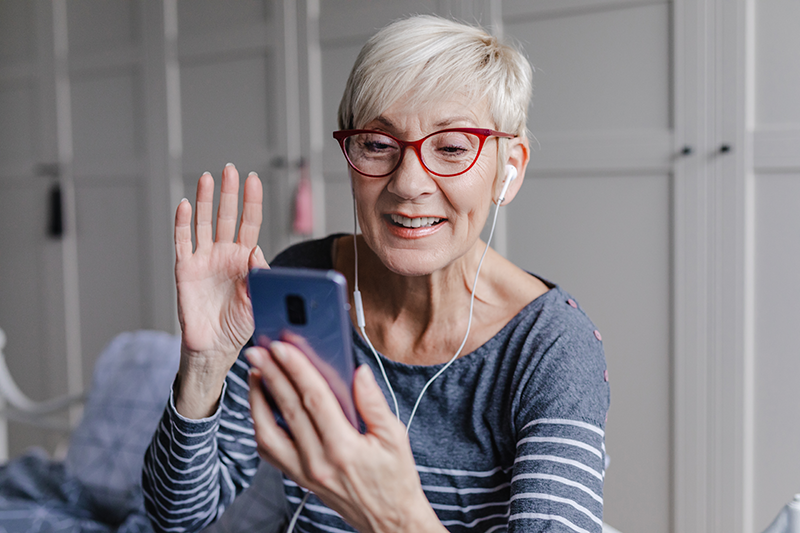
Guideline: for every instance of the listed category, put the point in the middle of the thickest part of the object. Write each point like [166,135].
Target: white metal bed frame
[15,405]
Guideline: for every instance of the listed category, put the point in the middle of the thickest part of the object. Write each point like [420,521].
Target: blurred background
[663,193]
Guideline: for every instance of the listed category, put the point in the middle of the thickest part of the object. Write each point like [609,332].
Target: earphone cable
[361,325]
[360,313]
[469,323]
[296,514]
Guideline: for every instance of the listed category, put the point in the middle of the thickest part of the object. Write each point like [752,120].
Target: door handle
[55,212]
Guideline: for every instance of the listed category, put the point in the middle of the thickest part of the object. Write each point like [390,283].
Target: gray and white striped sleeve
[557,483]
[559,467]
[193,469]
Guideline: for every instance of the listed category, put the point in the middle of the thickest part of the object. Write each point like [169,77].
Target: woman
[509,434]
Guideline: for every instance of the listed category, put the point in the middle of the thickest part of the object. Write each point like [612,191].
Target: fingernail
[277,350]
[229,164]
[366,376]
[183,200]
[252,174]
[206,173]
[254,357]
[257,251]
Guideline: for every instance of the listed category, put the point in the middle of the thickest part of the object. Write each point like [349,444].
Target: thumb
[372,406]
[257,259]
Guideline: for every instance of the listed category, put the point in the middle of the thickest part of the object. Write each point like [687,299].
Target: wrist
[197,388]
[423,519]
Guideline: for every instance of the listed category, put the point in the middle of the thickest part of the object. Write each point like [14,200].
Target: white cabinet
[124,105]
[595,216]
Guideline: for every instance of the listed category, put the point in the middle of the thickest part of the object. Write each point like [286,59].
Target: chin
[412,263]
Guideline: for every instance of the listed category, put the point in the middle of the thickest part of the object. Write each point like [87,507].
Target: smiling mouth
[418,222]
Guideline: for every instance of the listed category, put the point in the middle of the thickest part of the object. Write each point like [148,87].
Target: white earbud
[511,175]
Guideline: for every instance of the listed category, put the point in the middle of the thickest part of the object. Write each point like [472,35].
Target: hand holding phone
[309,309]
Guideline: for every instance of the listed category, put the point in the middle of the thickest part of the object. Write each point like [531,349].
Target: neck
[414,319]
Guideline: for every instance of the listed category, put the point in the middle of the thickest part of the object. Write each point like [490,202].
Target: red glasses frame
[481,133]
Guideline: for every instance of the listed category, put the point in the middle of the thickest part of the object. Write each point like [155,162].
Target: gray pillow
[130,388]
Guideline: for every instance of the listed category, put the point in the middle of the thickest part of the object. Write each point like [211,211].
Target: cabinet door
[776,187]
[110,100]
[233,80]
[593,215]
[34,268]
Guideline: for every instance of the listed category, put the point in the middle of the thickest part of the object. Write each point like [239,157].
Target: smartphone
[309,309]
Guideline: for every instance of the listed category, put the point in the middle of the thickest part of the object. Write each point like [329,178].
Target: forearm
[195,468]
[180,479]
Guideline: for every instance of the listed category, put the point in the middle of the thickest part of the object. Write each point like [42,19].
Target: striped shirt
[509,438]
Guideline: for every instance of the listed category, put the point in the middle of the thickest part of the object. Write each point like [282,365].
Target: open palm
[213,305]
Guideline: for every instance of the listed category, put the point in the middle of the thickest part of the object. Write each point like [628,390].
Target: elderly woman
[499,377]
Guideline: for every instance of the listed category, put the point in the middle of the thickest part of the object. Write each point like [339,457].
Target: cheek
[365,193]
[473,194]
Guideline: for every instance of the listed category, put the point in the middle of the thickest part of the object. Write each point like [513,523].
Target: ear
[517,154]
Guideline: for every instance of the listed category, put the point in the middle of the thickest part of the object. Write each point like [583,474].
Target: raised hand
[213,305]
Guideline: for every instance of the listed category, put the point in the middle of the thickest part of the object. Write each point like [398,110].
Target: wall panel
[225,114]
[606,240]
[16,112]
[106,120]
[198,17]
[97,26]
[777,50]
[777,396]
[111,274]
[336,64]
[594,216]
[599,71]
[17,41]
[776,159]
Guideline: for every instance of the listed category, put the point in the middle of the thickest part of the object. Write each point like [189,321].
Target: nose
[411,180]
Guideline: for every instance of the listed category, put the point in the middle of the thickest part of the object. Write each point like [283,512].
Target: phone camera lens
[296,309]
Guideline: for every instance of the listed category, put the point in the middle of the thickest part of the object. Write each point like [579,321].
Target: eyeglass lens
[447,153]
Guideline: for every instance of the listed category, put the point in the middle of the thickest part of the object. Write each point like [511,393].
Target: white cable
[296,514]
[360,313]
[463,342]
[361,326]
[383,373]
[469,323]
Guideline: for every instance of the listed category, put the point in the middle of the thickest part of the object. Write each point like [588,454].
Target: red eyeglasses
[443,153]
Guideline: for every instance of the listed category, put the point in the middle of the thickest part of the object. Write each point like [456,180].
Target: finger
[342,388]
[250,225]
[274,444]
[373,408]
[294,409]
[228,204]
[257,259]
[183,230]
[314,392]
[204,210]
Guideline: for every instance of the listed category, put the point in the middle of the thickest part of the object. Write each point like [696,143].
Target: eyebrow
[452,120]
[444,123]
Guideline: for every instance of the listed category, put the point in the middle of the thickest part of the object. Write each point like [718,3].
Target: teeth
[418,222]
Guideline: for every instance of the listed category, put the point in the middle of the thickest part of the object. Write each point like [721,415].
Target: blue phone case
[310,309]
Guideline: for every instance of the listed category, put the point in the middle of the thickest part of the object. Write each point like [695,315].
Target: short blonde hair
[426,58]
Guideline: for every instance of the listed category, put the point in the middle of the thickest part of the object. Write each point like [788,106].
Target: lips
[416,222]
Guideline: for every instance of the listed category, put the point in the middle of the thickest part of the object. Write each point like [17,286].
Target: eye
[453,144]
[376,144]
[452,149]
